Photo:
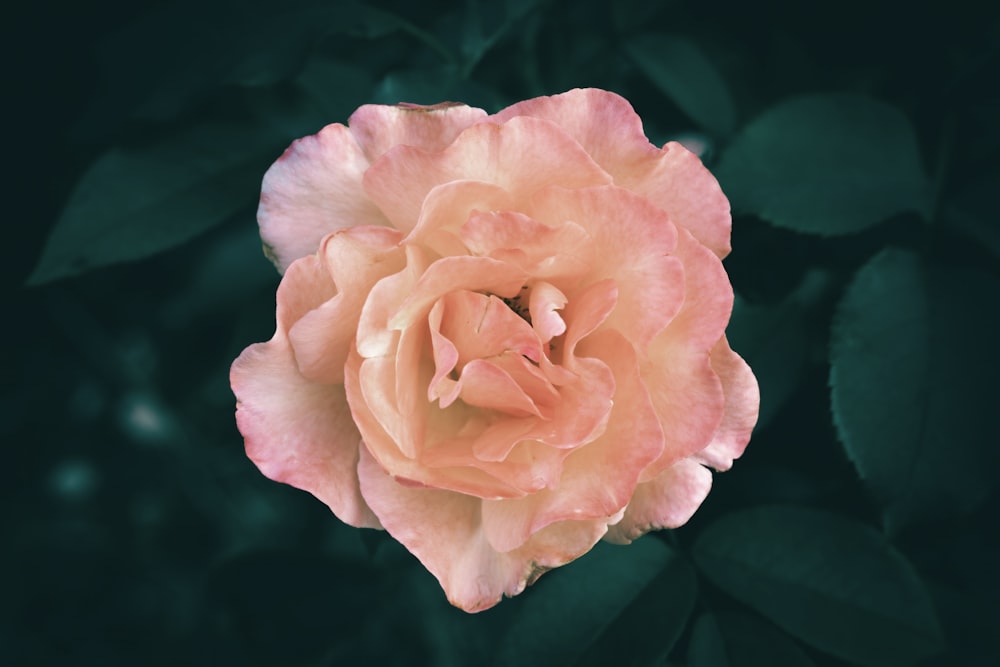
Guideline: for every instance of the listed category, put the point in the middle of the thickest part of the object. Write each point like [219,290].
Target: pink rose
[500,338]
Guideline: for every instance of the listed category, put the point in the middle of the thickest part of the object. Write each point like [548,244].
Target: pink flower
[500,338]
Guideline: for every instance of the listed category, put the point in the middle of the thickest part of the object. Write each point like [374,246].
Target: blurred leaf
[267,597]
[973,212]
[334,89]
[679,69]
[486,23]
[773,341]
[828,580]
[616,605]
[913,389]
[738,639]
[134,202]
[826,164]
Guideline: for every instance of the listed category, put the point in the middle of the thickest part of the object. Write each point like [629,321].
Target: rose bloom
[499,338]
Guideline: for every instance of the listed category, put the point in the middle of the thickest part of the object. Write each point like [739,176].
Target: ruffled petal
[741,408]
[521,156]
[604,123]
[444,531]
[677,181]
[356,258]
[299,432]
[313,189]
[666,501]
[632,439]
[633,242]
[673,178]
[378,127]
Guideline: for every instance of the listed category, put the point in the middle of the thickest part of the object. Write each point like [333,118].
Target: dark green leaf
[826,164]
[134,202]
[772,339]
[616,605]
[828,580]
[677,66]
[738,639]
[973,212]
[913,393]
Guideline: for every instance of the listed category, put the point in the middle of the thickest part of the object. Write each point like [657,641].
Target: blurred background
[858,143]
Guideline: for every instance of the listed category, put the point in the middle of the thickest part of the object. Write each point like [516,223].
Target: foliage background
[858,143]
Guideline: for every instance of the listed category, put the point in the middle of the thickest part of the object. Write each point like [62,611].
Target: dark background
[138,534]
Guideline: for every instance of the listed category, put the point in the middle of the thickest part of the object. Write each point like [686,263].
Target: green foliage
[677,66]
[134,202]
[828,580]
[826,164]
[911,339]
[617,605]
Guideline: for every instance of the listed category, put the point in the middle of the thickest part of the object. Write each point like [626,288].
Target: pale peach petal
[453,274]
[688,398]
[484,385]
[604,123]
[443,530]
[666,501]
[356,258]
[377,127]
[545,300]
[563,249]
[633,241]
[521,156]
[482,326]
[678,182]
[742,406]
[375,335]
[633,438]
[307,284]
[584,312]
[708,298]
[299,432]
[448,206]
[313,189]
[387,451]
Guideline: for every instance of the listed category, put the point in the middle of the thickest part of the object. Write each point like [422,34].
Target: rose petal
[545,300]
[313,189]
[672,178]
[633,240]
[378,127]
[562,249]
[448,206]
[356,258]
[299,432]
[678,182]
[387,450]
[741,409]
[666,501]
[520,156]
[633,438]
[452,274]
[443,530]
[604,123]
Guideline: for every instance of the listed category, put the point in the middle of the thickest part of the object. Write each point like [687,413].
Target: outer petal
[313,189]
[678,182]
[672,178]
[604,123]
[521,156]
[298,432]
[742,407]
[666,501]
[377,127]
[444,531]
